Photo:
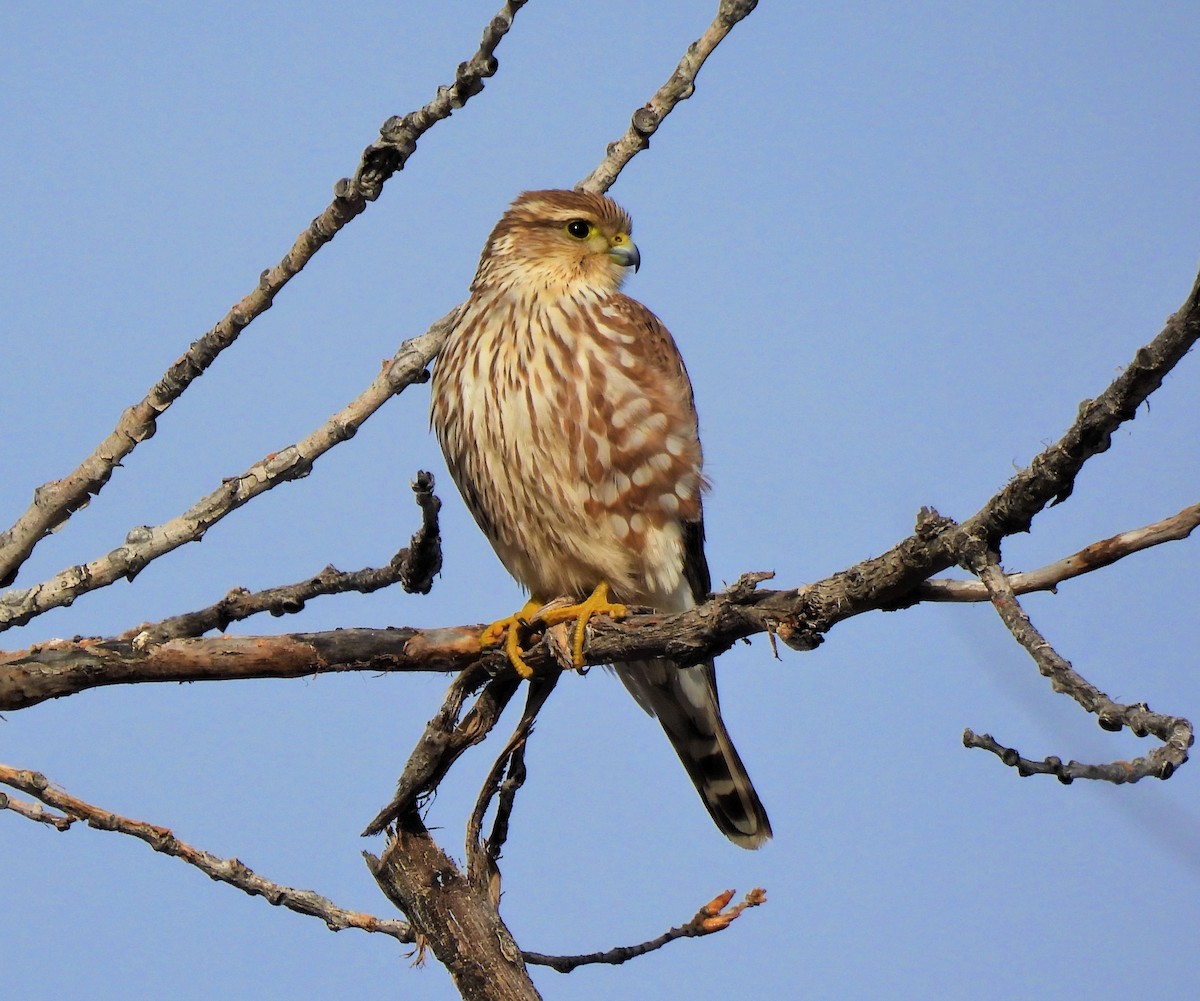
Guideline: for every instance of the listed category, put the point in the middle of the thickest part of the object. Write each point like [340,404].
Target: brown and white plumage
[567,420]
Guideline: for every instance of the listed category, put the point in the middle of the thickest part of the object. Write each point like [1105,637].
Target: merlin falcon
[568,423]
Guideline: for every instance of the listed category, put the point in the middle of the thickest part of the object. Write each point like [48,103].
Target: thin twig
[711,918]
[421,561]
[230,871]
[1174,732]
[1116,772]
[413,567]
[1099,554]
[680,85]
[482,855]
[445,739]
[36,812]
[55,502]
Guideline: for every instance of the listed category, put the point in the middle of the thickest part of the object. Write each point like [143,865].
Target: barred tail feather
[685,702]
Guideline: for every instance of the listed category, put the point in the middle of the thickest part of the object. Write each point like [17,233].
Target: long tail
[685,702]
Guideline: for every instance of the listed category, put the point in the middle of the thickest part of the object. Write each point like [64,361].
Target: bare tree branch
[1174,732]
[1050,477]
[483,855]
[1094,557]
[446,737]
[458,919]
[146,543]
[413,567]
[711,918]
[680,86]
[56,501]
[230,871]
[36,812]
[1116,772]
[890,580]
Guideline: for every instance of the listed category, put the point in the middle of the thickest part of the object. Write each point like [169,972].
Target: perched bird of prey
[567,420]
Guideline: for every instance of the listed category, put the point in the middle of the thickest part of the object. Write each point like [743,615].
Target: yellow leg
[596,603]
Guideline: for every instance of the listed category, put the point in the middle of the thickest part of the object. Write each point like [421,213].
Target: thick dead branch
[55,502]
[59,668]
[62,667]
[230,871]
[458,920]
[712,917]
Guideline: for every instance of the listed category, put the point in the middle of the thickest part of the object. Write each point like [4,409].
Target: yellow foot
[535,613]
[596,603]
[512,642]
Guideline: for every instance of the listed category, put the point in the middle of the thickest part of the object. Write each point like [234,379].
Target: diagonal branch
[890,580]
[445,738]
[484,854]
[146,543]
[680,85]
[1050,477]
[229,871]
[56,501]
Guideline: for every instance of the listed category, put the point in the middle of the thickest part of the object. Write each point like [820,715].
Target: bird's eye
[579,228]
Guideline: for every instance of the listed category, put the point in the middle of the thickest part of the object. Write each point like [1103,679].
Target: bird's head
[560,242]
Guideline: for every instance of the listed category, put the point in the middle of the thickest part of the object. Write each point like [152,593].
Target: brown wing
[684,699]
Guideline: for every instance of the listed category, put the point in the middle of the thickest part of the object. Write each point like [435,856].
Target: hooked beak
[626,254]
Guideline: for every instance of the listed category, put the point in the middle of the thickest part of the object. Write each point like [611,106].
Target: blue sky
[897,245]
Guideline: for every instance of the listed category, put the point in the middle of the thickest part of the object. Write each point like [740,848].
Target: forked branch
[1174,732]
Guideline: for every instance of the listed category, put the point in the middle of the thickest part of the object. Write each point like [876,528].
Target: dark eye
[579,229]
